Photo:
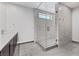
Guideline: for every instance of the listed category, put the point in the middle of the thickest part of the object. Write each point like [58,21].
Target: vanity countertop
[5,38]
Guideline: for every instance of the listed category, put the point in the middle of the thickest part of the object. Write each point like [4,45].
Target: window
[45,16]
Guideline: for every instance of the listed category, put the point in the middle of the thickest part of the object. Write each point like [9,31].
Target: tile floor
[33,49]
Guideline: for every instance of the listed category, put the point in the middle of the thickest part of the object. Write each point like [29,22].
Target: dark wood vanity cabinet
[9,49]
[13,44]
[5,51]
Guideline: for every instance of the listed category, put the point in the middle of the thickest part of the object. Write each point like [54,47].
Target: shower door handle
[48,28]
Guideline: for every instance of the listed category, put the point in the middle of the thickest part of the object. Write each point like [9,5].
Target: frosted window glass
[45,16]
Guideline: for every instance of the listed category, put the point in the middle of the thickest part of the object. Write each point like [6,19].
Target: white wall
[2,19]
[75,24]
[2,16]
[20,19]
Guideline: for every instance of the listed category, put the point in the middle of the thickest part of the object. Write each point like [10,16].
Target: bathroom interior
[39,28]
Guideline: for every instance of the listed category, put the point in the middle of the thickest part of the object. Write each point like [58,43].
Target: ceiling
[28,4]
[71,4]
[36,4]
[46,6]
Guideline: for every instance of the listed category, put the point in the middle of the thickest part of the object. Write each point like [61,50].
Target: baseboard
[25,42]
[75,42]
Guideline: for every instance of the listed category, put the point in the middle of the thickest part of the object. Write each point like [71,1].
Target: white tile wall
[65,25]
